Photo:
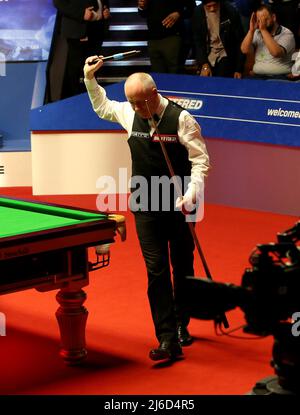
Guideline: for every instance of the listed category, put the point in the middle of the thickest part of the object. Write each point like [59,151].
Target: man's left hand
[187,203]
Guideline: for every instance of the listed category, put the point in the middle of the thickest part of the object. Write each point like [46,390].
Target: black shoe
[184,337]
[166,350]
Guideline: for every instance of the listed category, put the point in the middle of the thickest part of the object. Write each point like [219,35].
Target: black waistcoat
[146,153]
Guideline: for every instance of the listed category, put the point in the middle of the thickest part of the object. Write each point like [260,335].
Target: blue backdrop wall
[21,89]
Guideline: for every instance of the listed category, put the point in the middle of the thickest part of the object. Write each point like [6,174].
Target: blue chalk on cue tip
[118,56]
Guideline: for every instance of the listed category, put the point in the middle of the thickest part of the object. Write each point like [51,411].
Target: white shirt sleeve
[115,111]
[189,133]
[286,40]
[296,66]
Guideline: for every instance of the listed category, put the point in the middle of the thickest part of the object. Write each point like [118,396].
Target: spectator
[246,8]
[165,25]
[288,15]
[295,73]
[218,34]
[272,45]
[83,24]
[187,36]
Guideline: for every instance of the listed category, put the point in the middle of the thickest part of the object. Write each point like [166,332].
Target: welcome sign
[260,111]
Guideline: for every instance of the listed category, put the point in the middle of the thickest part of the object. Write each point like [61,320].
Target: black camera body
[269,296]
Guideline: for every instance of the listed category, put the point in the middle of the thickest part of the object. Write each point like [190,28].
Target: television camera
[269,296]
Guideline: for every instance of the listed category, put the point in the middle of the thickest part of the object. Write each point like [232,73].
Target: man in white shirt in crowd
[272,44]
[295,72]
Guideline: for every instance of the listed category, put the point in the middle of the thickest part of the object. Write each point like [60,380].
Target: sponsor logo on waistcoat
[139,134]
[170,138]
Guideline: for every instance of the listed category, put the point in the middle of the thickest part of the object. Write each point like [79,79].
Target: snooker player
[164,235]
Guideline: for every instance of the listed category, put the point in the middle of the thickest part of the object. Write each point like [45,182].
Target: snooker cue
[115,57]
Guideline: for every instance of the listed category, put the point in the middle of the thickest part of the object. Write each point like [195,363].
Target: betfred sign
[187,103]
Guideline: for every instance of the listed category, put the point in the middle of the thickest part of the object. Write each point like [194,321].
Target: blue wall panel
[16,96]
[243,110]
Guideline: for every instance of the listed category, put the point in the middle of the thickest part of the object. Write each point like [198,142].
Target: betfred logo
[165,138]
[187,103]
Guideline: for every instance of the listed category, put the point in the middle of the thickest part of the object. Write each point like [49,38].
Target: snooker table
[45,246]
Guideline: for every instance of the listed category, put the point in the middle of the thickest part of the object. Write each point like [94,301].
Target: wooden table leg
[71,317]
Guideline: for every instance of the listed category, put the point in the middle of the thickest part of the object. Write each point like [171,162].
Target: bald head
[141,92]
[139,81]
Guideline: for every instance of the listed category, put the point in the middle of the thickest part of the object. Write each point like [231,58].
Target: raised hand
[253,22]
[262,23]
[88,69]
[88,13]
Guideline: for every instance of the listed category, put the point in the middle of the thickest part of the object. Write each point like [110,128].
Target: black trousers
[165,54]
[165,238]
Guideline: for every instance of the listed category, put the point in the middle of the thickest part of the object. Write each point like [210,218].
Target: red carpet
[119,329]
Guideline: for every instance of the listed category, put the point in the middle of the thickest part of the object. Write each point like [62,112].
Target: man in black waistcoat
[83,24]
[162,228]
